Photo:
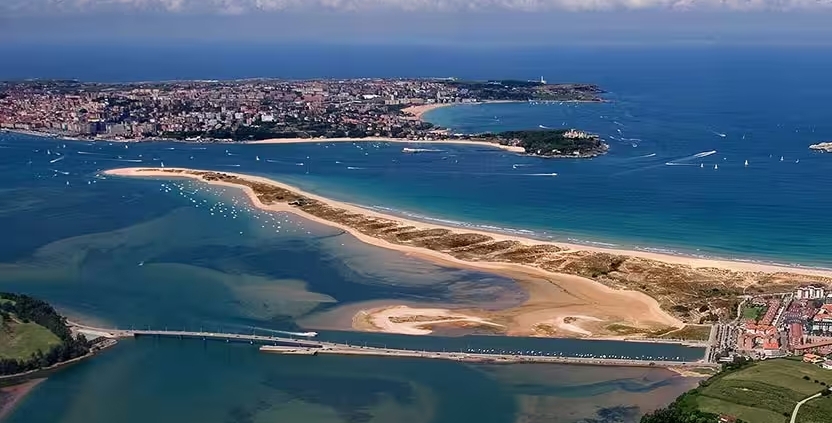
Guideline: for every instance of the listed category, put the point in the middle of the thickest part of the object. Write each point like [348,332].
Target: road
[799,404]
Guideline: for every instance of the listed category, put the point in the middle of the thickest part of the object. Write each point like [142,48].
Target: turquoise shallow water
[175,381]
[140,253]
[173,254]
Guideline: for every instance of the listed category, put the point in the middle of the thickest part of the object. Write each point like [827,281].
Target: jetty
[295,346]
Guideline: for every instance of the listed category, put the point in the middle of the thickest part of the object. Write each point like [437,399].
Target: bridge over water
[284,345]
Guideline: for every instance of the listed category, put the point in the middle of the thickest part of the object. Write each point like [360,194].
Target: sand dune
[552,295]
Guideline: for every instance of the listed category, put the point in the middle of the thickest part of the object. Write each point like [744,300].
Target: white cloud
[250,6]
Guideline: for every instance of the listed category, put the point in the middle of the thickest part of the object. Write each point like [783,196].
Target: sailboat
[746,162]
[701,165]
[163,164]
[716,167]
[781,158]
[257,158]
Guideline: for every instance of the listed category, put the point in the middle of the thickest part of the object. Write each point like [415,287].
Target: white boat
[716,167]
[781,158]
[257,158]
[701,165]
[746,162]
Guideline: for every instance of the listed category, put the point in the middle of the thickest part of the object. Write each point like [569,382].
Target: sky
[443,22]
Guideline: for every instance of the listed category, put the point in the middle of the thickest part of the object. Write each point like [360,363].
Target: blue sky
[462,22]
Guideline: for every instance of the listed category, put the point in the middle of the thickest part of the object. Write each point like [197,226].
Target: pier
[295,346]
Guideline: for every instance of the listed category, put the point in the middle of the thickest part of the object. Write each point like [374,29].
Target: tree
[28,309]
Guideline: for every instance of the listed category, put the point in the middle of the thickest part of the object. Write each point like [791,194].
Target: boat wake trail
[301,334]
[540,174]
[354,168]
[703,154]
[57,160]
[695,156]
[124,160]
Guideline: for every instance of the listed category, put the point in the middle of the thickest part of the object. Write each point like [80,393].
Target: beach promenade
[295,346]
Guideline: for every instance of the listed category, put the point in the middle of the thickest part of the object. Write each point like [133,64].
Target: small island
[825,147]
[552,142]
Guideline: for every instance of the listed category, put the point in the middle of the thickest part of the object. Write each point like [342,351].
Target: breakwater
[295,346]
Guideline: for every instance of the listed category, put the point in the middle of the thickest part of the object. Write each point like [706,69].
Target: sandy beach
[741,266]
[567,304]
[418,112]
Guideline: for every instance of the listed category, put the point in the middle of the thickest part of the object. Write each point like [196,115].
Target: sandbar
[558,290]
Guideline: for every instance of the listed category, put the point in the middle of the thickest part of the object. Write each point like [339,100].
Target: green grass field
[20,340]
[753,312]
[690,332]
[767,392]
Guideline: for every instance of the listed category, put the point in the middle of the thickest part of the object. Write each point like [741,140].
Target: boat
[419,150]
[257,158]
[781,158]
[746,162]
[716,167]
[701,165]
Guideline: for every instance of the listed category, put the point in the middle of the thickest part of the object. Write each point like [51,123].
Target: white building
[809,292]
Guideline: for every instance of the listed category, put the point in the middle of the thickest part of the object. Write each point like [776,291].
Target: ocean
[154,253]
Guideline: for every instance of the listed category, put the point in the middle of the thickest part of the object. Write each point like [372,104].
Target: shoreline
[48,135]
[696,262]
[555,295]
[12,396]
[383,139]
[541,285]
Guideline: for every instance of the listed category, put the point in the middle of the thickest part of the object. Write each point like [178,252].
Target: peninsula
[574,290]
[259,109]
[823,146]
[540,143]
[552,142]
[33,338]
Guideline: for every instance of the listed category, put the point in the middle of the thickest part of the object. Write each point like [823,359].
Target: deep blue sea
[157,253]
[667,106]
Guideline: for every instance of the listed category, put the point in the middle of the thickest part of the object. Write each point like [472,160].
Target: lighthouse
[542,81]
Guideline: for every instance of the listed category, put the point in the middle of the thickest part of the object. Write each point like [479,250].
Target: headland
[35,341]
[573,290]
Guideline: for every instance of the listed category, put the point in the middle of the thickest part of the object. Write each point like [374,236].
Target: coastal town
[778,325]
[247,110]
